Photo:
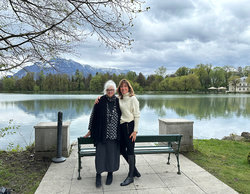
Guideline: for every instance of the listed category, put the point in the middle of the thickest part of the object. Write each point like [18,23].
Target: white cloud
[180,33]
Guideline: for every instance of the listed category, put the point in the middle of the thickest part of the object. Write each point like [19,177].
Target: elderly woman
[104,128]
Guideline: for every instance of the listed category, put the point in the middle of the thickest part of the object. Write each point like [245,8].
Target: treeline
[186,79]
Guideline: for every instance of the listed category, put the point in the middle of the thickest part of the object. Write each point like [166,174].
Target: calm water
[214,116]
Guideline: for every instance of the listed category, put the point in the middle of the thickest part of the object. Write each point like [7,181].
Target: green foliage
[28,82]
[234,80]
[203,72]
[141,80]
[248,79]
[197,79]
[136,86]
[9,129]
[36,88]
[182,71]
[218,77]
[30,148]
[246,71]
[12,148]
[9,84]
[131,75]
[161,71]
[96,83]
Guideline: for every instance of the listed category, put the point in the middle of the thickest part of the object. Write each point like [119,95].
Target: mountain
[63,66]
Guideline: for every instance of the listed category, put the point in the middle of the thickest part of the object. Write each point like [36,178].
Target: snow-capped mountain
[63,66]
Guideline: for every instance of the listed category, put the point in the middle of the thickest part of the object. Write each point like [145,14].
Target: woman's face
[124,88]
[110,91]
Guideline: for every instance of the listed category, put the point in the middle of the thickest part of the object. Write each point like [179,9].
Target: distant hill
[63,66]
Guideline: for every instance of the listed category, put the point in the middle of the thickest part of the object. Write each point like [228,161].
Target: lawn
[226,160]
[20,172]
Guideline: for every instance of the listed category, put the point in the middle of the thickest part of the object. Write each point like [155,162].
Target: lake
[214,115]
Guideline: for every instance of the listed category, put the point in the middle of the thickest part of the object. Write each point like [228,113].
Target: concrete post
[178,126]
[46,139]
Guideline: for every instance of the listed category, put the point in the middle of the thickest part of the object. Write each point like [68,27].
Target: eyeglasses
[110,90]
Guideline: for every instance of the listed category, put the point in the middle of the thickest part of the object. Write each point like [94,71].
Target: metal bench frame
[153,149]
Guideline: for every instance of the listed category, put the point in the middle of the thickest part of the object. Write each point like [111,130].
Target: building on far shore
[242,86]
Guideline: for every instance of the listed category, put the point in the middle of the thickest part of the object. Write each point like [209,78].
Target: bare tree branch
[38,30]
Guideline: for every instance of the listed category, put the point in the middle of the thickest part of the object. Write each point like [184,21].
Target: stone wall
[46,139]
[178,126]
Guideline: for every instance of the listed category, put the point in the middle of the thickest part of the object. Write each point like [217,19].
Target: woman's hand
[97,100]
[133,136]
[87,134]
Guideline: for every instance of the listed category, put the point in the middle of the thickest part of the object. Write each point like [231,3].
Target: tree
[234,81]
[87,82]
[136,87]
[175,84]
[141,79]
[161,71]
[9,84]
[131,75]
[40,80]
[96,83]
[203,73]
[248,79]
[28,82]
[182,71]
[218,77]
[229,73]
[246,71]
[164,84]
[38,30]
[155,85]
[79,80]
[192,82]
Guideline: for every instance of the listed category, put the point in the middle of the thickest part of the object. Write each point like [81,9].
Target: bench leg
[168,158]
[178,164]
[79,167]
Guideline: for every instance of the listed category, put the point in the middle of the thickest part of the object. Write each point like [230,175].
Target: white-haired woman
[104,128]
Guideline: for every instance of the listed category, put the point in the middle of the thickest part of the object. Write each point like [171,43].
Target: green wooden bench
[139,149]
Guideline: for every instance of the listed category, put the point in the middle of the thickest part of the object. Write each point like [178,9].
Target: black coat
[98,120]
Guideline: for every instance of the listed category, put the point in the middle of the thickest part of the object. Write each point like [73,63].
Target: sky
[180,33]
[176,33]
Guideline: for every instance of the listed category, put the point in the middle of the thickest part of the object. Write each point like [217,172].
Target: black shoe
[98,182]
[136,173]
[127,181]
[130,178]
[109,178]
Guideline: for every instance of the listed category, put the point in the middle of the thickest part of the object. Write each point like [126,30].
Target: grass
[20,172]
[226,160]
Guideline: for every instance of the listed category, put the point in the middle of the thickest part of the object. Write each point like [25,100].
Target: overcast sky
[175,33]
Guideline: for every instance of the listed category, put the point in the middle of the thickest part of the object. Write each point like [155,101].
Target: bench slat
[158,138]
[143,138]
[138,150]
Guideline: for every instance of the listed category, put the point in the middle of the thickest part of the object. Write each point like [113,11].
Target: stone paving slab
[157,177]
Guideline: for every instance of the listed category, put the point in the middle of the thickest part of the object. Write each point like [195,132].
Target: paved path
[157,177]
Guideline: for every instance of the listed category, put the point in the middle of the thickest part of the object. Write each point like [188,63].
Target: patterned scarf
[112,118]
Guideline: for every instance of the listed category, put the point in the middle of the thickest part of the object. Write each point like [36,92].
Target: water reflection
[71,108]
[227,110]
[200,107]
